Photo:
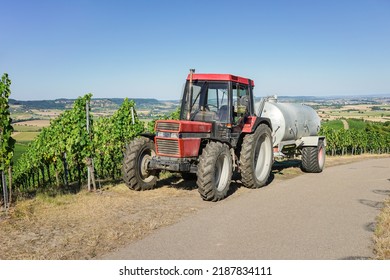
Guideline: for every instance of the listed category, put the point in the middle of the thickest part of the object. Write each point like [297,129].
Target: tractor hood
[182,126]
[180,139]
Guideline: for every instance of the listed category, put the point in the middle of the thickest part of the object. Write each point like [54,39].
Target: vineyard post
[65,169]
[132,115]
[3,181]
[5,193]
[89,161]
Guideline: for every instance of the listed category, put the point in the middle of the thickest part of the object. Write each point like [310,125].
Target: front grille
[168,147]
[171,126]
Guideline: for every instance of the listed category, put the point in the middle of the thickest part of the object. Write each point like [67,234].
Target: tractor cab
[221,99]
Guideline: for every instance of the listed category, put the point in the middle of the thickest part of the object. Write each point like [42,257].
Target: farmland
[376,110]
[24,133]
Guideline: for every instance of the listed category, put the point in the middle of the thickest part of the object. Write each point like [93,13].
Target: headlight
[167,134]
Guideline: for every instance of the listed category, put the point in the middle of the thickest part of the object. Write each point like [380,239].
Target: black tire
[256,157]
[135,173]
[214,171]
[313,158]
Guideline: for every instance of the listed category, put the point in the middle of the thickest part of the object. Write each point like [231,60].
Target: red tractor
[218,133]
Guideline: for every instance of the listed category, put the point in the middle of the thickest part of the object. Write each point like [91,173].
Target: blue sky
[55,49]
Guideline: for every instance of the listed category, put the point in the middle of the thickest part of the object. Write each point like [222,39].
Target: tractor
[221,131]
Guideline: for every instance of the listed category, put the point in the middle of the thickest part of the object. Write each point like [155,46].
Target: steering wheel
[211,105]
[193,114]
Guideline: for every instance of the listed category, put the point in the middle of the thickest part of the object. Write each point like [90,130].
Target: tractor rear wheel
[256,157]
[214,171]
[313,158]
[137,156]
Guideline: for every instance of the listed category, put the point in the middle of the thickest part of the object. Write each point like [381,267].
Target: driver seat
[223,113]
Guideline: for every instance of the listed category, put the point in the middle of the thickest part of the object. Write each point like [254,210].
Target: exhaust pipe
[189,96]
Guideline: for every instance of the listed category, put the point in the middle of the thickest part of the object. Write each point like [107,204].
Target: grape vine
[7,143]
[374,138]
[65,149]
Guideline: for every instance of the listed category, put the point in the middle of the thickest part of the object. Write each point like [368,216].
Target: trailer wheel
[214,171]
[256,157]
[136,159]
[313,158]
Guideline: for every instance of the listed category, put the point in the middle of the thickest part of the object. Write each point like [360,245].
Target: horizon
[385,95]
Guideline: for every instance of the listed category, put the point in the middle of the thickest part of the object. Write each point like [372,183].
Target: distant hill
[63,103]
[151,107]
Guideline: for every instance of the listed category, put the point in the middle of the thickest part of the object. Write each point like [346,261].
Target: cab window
[240,102]
[217,101]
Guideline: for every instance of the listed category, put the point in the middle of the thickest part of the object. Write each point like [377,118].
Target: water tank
[290,121]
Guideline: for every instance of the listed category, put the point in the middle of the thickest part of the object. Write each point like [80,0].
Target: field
[334,124]
[32,124]
[24,137]
[24,133]
[19,114]
[19,150]
[373,113]
[357,124]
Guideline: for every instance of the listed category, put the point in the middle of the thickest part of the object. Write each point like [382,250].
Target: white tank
[290,121]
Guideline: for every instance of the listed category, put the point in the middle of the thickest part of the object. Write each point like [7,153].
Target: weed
[382,233]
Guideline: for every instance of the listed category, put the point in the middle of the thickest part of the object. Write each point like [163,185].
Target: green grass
[356,124]
[335,124]
[19,150]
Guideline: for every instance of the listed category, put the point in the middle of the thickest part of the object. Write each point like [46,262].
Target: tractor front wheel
[214,171]
[256,157]
[137,156]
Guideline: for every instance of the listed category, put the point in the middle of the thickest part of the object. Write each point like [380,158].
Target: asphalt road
[330,215]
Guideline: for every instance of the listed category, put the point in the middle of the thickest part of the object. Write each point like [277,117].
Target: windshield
[208,102]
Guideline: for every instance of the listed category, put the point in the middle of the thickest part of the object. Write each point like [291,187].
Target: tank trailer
[222,130]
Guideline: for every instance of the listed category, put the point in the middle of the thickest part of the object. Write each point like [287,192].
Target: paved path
[314,216]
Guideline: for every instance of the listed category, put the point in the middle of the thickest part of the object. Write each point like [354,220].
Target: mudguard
[252,122]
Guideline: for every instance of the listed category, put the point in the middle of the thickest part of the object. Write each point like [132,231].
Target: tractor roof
[220,77]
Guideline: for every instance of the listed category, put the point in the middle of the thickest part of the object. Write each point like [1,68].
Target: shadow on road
[356,258]
[384,192]
[371,203]
[281,165]
[175,180]
[370,227]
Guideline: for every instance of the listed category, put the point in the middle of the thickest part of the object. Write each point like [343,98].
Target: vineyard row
[375,138]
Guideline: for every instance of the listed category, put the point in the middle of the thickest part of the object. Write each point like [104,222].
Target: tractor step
[171,164]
